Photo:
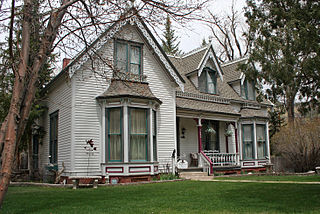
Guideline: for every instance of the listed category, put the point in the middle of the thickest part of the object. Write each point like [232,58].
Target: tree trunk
[25,87]
[290,108]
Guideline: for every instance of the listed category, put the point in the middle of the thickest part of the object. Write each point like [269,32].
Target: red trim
[199,134]
[113,167]
[262,162]
[137,167]
[227,145]
[248,163]
[208,159]
[236,135]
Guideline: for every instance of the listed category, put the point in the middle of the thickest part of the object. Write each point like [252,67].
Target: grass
[172,197]
[295,178]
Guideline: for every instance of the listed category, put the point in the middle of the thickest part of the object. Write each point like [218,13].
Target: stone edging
[22,184]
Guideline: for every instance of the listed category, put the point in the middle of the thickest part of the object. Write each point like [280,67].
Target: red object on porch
[236,130]
[199,137]
[227,145]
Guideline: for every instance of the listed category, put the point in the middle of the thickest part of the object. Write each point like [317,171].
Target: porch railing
[223,159]
[208,161]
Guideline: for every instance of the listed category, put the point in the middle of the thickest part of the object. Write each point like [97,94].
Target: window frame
[147,135]
[245,89]
[210,74]
[129,44]
[244,156]
[264,142]
[53,143]
[154,135]
[108,137]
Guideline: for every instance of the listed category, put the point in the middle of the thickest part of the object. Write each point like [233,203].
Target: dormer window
[248,90]
[128,57]
[208,81]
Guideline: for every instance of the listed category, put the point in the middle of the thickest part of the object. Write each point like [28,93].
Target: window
[208,81]
[128,57]
[53,144]
[114,134]
[248,90]
[261,141]
[154,132]
[138,132]
[247,140]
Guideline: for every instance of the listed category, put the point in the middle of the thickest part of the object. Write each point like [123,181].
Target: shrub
[299,144]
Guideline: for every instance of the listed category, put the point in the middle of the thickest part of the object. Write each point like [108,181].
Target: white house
[137,115]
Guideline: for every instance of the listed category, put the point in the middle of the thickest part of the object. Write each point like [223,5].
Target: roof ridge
[194,51]
[234,61]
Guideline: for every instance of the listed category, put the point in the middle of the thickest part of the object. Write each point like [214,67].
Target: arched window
[208,81]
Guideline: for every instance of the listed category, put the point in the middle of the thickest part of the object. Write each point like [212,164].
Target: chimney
[65,62]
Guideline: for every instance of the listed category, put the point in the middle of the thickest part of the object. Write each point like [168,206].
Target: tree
[61,24]
[299,146]
[227,31]
[284,49]
[170,44]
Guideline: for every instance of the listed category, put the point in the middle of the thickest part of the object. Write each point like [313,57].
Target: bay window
[247,141]
[138,127]
[114,134]
[261,141]
[128,57]
[131,134]
[154,134]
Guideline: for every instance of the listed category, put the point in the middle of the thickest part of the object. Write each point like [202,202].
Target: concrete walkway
[268,182]
[203,176]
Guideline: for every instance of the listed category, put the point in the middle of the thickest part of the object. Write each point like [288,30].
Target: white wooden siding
[58,100]
[87,111]
[164,89]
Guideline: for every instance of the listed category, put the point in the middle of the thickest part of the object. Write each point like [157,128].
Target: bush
[299,144]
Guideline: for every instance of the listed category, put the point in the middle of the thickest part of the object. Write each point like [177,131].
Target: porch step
[196,176]
[191,169]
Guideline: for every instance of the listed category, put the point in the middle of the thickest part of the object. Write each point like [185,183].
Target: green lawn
[295,178]
[172,197]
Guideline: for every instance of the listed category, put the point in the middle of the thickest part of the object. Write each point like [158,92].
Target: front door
[210,135]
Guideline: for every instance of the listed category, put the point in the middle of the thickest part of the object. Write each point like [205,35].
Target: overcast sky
[191,39]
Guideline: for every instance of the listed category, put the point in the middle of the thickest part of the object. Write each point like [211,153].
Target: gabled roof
[188,65]
[132,18]
[230,70]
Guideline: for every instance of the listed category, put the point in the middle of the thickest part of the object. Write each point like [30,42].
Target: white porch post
[125,133]
[255,146]
[267,141]
[151,135]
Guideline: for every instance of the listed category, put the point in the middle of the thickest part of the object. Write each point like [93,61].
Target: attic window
[248,91]
[128,57]
[208,81]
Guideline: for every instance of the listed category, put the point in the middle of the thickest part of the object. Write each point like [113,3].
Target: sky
[191,39]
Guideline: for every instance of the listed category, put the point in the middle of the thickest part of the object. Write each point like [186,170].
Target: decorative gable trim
[210,55]
[101,41]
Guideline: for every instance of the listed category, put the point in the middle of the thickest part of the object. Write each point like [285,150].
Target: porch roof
[123,88]
[197,105]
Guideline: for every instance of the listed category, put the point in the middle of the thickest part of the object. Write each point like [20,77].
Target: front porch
[209,144]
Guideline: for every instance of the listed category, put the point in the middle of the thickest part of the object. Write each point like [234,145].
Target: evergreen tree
[284,38]
[170,44]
